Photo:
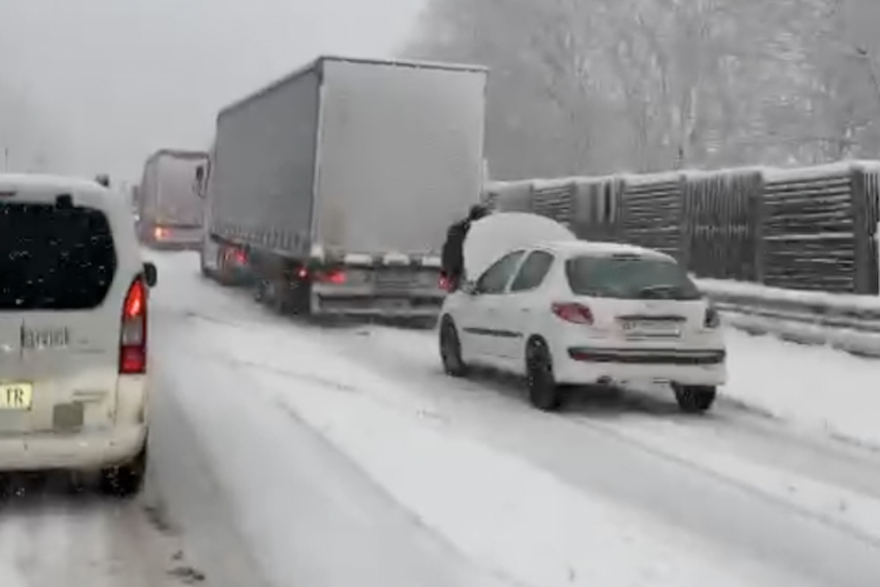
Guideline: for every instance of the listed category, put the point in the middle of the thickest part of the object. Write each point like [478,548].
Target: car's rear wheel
[125,480]
[544,393]
[695,399]
[450,349]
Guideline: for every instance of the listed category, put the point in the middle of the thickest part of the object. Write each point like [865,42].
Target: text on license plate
[651,328]
[16,396]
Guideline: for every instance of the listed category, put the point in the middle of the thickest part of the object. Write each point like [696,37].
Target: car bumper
[586,365]
[372,304]
[82,451]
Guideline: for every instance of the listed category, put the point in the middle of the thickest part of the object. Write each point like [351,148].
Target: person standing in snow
[453,250]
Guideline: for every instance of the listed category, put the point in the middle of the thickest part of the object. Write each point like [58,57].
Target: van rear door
[61,299]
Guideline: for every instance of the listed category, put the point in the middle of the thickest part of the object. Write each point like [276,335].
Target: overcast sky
[121,78]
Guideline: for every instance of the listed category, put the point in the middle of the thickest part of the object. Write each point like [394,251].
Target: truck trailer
[170,208]
[331,190]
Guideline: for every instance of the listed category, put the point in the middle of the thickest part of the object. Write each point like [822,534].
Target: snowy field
[283,454]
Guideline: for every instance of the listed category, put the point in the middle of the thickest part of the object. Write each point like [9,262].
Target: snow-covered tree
[593,86]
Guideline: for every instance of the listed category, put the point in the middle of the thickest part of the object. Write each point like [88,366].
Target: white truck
[170,208]
[331,190]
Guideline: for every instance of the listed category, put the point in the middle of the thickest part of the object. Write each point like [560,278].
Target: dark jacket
[453,251]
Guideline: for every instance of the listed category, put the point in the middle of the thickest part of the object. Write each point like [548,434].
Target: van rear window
[630,278]
[54,258]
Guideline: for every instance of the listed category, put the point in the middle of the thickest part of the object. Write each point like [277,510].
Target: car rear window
[629,277]
[54,258]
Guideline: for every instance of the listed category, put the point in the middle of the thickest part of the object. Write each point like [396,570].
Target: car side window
[533,271]
[496,277]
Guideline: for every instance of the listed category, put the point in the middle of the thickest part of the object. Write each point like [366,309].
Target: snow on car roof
[48,182]
[38,188]
[602,249]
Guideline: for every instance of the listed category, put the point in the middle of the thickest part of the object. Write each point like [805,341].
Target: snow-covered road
[52,532]
[288,454]
[348,457]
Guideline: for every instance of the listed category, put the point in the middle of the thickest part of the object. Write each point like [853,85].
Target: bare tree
[593,86]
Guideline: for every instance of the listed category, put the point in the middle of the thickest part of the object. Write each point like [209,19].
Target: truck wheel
[260,288]
[694,399]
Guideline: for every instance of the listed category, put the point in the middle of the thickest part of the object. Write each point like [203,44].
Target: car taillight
[336,277]
[573,312]
[239,257]
[160,232]
[444,283]
[712,319]
[133,339]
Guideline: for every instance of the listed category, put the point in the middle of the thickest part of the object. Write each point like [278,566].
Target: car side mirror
[151,274]
[470,288]
[200,173]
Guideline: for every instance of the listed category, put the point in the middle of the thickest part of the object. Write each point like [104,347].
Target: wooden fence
[809,228]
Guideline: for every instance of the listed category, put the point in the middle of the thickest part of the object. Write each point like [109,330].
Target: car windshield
[629,277]
[54,259]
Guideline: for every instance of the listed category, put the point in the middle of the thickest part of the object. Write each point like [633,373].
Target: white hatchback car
[580,313]
[73,331]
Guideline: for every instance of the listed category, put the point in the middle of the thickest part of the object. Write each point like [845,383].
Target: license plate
[650,328]
[16,396]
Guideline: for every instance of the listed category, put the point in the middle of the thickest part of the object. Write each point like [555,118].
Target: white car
[580,313]
[73,331]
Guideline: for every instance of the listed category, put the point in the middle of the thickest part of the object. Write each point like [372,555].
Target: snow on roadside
[830,503]
[813,387]
[506,515]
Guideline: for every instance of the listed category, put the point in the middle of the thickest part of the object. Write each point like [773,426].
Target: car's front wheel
[695,399]
[450,349]
[125,480]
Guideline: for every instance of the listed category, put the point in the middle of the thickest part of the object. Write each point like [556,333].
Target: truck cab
[220,260]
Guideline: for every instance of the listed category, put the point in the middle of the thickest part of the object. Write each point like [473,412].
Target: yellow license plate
[16,396]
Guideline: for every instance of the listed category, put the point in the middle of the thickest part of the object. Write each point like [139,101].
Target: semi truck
[331,190]
[170,208]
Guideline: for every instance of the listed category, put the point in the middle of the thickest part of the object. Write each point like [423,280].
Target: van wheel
[126,480]
[544,393]
[694,399]
[450,349]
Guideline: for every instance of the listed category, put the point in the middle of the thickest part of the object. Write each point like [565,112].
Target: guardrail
[849,323]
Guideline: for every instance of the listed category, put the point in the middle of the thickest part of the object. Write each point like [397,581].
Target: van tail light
[712,318]
[133,338]
[573,312]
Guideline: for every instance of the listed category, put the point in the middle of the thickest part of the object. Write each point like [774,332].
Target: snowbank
[849,323]
[814,387]
[809,300]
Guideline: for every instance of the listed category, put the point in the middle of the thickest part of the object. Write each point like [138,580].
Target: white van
[74,296]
